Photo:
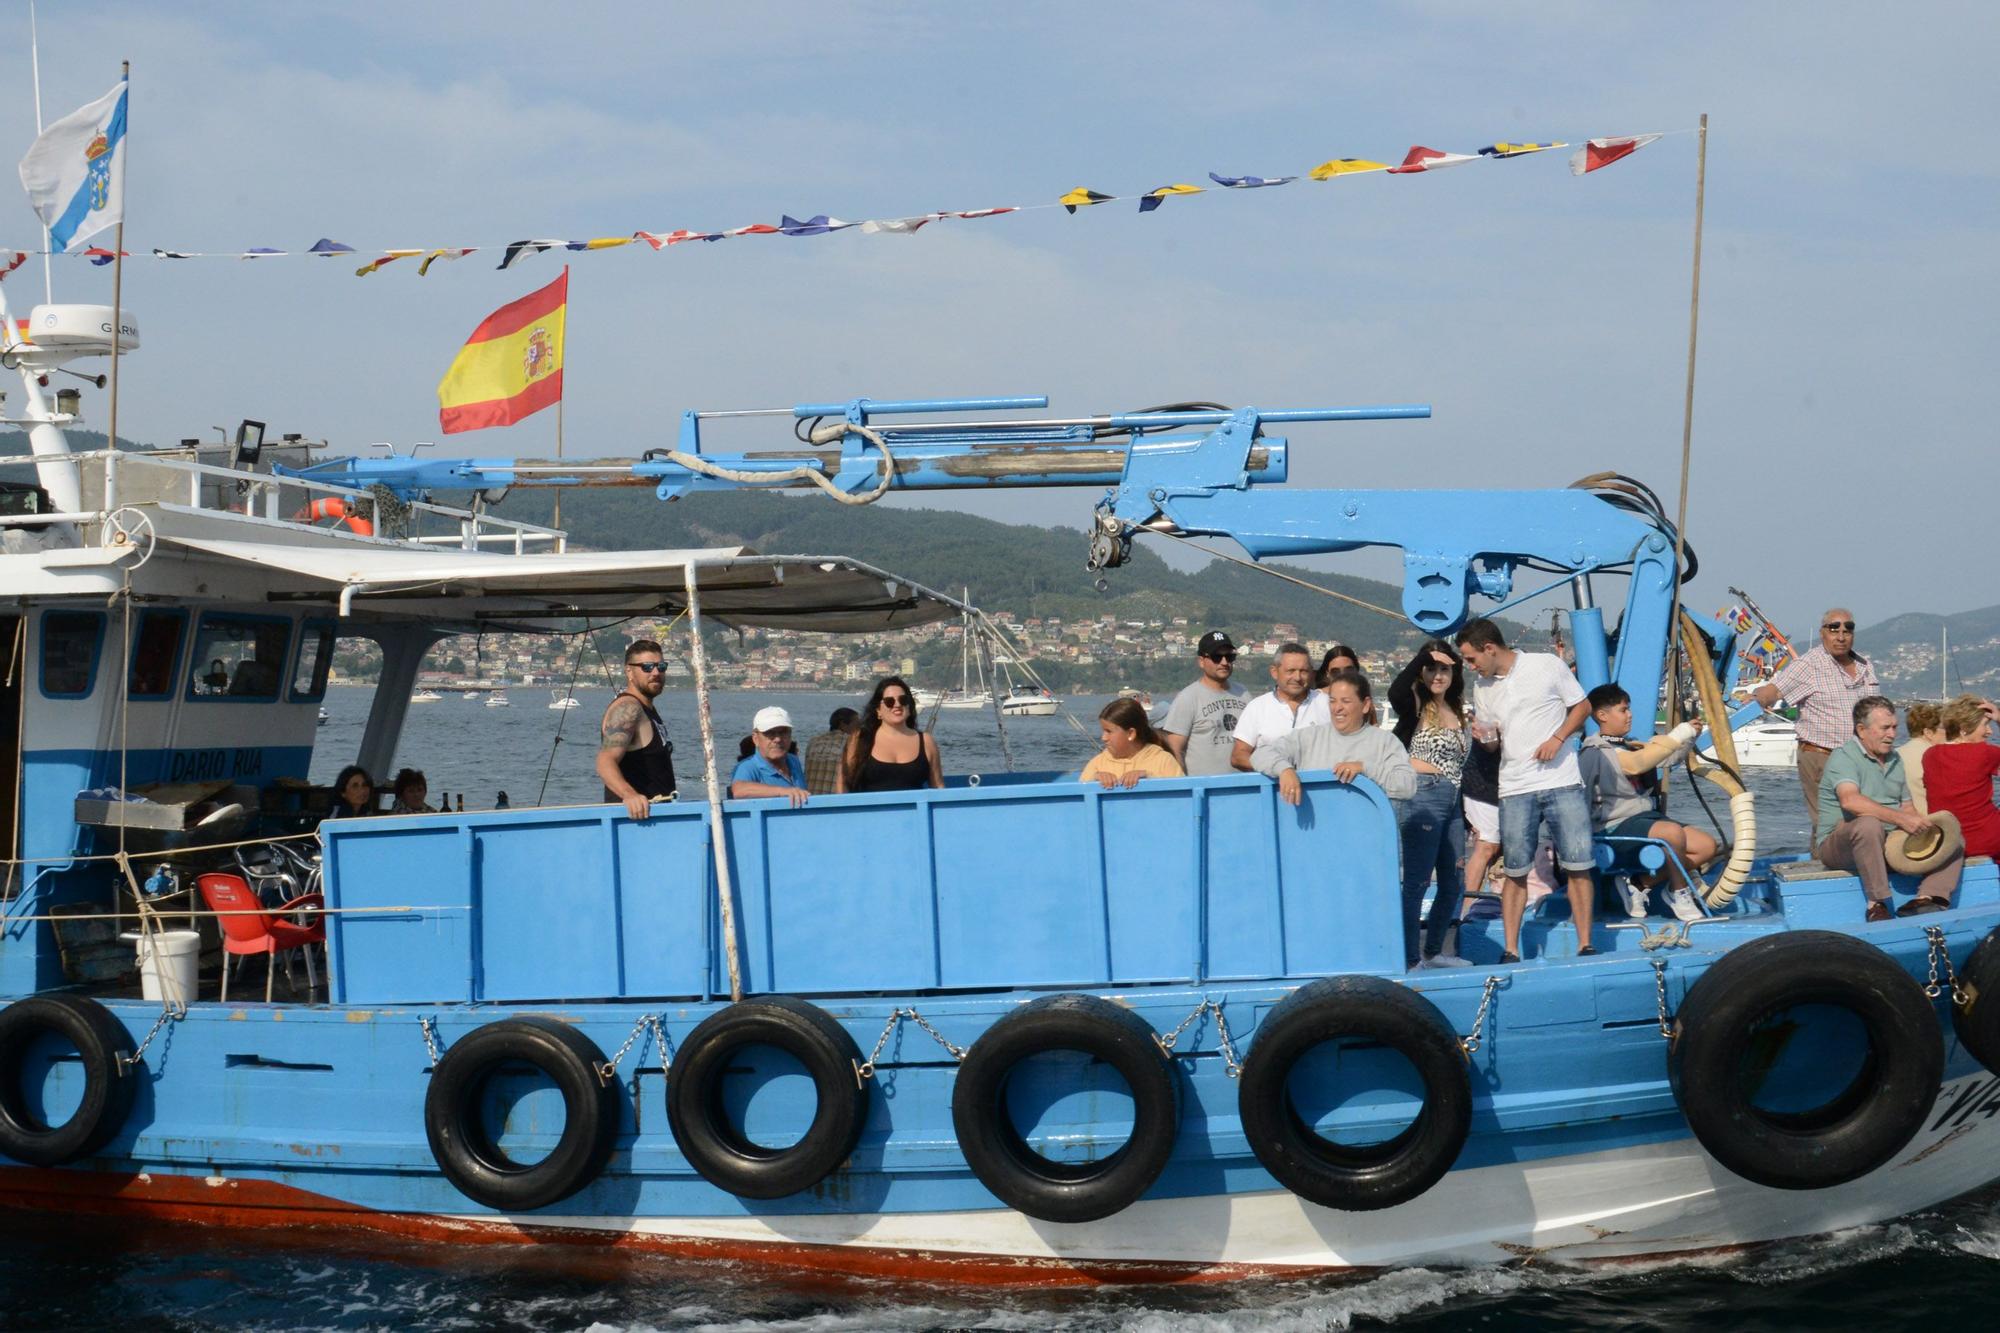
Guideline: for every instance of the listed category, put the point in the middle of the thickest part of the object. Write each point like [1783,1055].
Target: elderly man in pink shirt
[1824,685]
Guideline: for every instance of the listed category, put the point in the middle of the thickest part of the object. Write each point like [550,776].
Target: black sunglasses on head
[1836,626]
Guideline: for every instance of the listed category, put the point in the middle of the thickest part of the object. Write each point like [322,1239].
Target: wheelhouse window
[315,657]
[70,644]
[238,658]
[156,653]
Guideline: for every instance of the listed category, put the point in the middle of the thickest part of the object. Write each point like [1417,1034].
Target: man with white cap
[770,769]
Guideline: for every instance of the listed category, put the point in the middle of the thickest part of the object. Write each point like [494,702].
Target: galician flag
[512,365]
[75,172]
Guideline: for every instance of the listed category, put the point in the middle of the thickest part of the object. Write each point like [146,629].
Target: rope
[826,434]
[1288,578]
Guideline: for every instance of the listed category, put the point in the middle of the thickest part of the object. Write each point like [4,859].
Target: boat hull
[1647,1201]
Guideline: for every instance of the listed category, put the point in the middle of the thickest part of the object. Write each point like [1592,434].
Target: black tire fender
[718,1149]
[466,1151]
[1363,1177]
[1019,1176]
[1861,1128]
[109,1084]
[1977,1021]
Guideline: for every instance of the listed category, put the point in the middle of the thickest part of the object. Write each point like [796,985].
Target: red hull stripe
[503,411]
[517,315]
[263,1207]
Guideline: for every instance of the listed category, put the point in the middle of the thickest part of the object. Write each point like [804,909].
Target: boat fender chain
[867,1068]
[168,1014]
[428,1027]
[1939,949]
[608,1071]
[826,434]
[1471,1041]
[1223,1042]
[1660,990]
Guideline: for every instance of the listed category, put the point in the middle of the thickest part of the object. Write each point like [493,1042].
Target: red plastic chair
[248,927]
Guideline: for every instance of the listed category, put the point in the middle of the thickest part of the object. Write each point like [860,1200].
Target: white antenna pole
[35,54]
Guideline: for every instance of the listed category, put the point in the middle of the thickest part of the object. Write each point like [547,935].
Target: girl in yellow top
[1131,750]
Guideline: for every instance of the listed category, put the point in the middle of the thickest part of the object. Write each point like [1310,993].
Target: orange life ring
[335,507]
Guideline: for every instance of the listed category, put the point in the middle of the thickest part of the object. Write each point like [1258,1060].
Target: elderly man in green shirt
[1863,794]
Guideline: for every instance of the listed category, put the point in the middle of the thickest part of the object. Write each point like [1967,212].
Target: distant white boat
[558,700]
[469,695]
[1770,742]
[324,716]
[498,699]
[425,697]
[1030,703]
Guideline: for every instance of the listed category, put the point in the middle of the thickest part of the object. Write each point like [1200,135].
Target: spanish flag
[512,365]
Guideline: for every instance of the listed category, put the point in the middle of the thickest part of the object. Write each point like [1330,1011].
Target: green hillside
[1019,568]
[1905,651]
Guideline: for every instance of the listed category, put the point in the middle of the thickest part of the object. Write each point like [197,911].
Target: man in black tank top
[633,758]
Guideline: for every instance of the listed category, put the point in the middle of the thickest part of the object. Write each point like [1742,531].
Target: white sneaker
[1635,900]
[1447,960]
[1684,906]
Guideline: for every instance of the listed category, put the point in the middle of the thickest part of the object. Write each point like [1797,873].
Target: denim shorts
[1566,811]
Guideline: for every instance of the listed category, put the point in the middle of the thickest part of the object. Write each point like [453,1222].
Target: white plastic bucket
[169,961]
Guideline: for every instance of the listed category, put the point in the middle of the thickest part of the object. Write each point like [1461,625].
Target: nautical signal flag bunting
[512,365]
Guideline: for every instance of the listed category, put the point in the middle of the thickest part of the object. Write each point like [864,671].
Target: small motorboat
[559,700]
[425,697]
[498,699]
[324,716]
[1029,703]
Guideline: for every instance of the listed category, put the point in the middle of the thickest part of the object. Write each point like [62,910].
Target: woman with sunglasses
[1429,699]
[888,753]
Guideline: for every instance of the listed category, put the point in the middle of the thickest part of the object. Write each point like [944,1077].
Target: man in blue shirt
[771,768]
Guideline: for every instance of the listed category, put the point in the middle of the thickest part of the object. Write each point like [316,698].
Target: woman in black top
[353,793]
[888,753]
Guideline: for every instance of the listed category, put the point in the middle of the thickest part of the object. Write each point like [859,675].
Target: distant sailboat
[965,697]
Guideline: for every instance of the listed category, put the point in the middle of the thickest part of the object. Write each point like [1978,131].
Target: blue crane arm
[1184,471]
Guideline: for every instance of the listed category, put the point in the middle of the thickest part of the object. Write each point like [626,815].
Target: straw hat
[1921,853]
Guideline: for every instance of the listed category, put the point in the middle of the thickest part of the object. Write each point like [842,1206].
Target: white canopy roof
[736,584]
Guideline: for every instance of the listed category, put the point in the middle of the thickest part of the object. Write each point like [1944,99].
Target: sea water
[89,1274]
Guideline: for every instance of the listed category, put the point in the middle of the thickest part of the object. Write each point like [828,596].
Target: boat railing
[111,480]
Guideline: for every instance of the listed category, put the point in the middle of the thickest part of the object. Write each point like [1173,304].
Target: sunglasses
[895,701]
[1839,626]
[1220,657]
[648,667]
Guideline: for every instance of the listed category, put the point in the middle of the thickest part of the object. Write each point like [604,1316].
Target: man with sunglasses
[1201,722]
[633,757]
[1824,684]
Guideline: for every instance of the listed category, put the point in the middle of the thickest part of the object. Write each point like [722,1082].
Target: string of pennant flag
[1593,155]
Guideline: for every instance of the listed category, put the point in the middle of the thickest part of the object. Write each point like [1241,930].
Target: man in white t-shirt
[1529,705]
[1291,704]
[1200,725]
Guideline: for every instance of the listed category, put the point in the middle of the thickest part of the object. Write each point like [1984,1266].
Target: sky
[1842,430]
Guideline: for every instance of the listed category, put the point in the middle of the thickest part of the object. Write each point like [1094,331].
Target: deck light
[69,402]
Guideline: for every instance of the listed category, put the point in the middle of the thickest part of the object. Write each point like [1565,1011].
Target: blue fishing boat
[1018,1030]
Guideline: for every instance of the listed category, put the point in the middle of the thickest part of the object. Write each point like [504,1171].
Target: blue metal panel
[547,921]
[1339,865]
[1245,923]
[410,861]
[1021,889]
[832,898]
[1151,844]
[666,908]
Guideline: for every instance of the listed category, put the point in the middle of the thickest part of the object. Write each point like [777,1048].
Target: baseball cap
[1213,642]
[770,719]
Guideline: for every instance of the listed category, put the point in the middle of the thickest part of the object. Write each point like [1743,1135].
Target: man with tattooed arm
[633,757]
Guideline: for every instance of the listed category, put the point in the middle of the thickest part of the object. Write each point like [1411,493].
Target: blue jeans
[1567,813]
[1433,828]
